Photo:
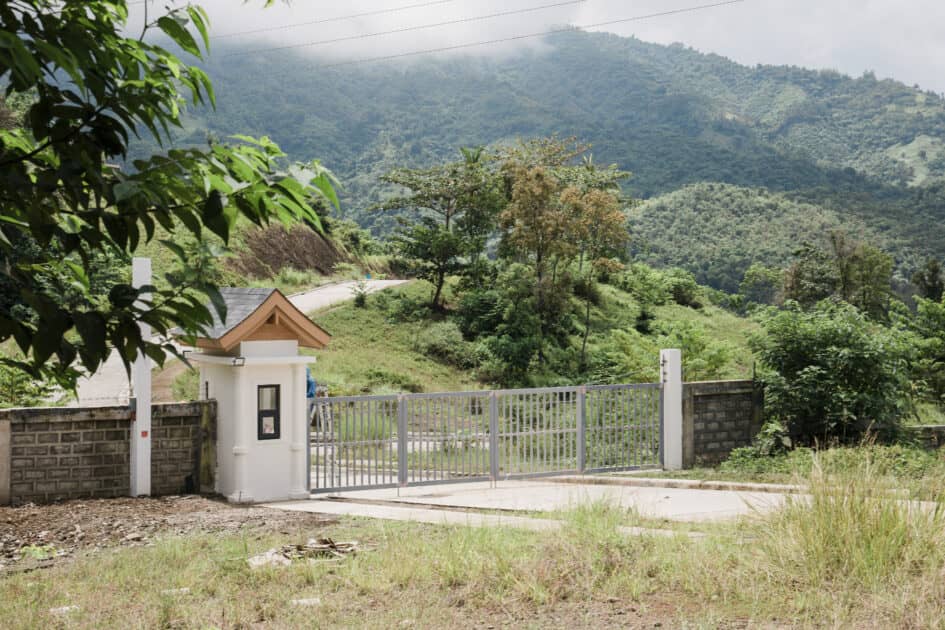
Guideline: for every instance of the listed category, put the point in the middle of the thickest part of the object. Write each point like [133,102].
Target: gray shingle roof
[240,304]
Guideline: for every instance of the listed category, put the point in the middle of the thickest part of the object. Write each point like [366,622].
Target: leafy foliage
[930,280]
[832,374]
[457,205]
[929,325]
[92,89]
[849,270]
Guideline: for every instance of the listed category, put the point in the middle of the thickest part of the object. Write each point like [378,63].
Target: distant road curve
[110,386]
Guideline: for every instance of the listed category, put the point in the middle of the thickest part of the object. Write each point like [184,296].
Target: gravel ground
[33,536]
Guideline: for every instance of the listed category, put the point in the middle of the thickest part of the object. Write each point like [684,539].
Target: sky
[900,39]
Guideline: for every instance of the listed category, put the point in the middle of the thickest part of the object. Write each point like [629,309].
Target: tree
[455,207]
[812,276]
[930,281]
[92,88]
[833,374]
[538,231]
[849,270]
[929,325]
[559,212]
[761,284]
[602,236]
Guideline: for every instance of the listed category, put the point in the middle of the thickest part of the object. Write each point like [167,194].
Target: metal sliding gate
[363,442]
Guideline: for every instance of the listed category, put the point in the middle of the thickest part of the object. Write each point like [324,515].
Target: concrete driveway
[671,504]
[110,386]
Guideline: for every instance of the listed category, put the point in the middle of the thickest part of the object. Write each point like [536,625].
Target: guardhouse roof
[260,315]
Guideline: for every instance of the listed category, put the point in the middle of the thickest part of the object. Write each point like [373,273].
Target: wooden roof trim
[310,334]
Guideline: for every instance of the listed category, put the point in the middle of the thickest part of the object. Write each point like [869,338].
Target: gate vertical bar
[401,442]
[494,436]
[582,428]
[308,449]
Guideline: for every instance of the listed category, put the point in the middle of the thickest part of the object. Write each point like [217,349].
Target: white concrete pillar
[671,380]
[298,435]
[140,445]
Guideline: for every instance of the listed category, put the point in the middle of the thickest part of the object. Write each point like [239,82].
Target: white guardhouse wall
[269,462]
[218,383]
[251,470]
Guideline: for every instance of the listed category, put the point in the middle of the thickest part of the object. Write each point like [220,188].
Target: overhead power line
[491,42]
[408,29]
[341,18]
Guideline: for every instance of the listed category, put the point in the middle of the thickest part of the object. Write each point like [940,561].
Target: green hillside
[373,352]
[717,230]
[868,152]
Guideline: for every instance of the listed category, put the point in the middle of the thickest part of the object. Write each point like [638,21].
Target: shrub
[360,292]
[18,389]
[402,307]
[646,284]
[683,288]
[833,375]
[444,342]
[703,357]
[186,386]
[480,313]
[929,324]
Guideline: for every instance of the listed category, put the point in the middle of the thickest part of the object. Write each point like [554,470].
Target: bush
[703,357]
[444,342]
[480,313]
[18,389]
[833,375]
[683,288]
[647,285]
[402,307]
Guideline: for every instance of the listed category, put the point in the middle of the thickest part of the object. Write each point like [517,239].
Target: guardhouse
[250,363]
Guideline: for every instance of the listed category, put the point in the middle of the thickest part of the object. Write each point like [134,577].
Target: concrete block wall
[176,448]
[53,454]
[719,417]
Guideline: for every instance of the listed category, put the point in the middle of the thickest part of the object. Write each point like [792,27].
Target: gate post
[582,428]
[401,441]
[671,441]
[494,436]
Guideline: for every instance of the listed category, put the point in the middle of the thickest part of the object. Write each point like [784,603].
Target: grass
[369,354]
[916,471]
[722,326]
[847,556]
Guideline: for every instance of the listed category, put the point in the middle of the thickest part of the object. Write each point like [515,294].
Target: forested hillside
[863,152]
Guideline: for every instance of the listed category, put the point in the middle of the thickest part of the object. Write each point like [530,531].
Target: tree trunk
[440,281]
[587,332]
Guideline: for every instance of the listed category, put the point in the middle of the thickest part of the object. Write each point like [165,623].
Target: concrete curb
[679,484]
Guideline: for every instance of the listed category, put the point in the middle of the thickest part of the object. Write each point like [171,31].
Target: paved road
[335,293]
[110,386]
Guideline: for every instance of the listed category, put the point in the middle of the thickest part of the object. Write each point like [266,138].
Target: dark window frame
[275,414]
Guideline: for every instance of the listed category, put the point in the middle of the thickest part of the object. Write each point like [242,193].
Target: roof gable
[260,315]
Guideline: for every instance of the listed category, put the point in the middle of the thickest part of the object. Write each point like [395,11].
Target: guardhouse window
[268,413]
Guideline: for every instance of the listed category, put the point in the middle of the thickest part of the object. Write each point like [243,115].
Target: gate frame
[493,475]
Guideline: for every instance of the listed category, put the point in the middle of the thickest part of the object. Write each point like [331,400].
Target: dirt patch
[267,250]
[36,536]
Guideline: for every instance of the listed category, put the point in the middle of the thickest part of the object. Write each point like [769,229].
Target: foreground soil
[33,536]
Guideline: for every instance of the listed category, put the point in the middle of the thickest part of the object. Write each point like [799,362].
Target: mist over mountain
[860,151]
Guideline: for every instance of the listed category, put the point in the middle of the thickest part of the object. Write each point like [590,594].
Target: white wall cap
[238,361]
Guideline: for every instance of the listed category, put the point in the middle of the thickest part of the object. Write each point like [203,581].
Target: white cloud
[896,38]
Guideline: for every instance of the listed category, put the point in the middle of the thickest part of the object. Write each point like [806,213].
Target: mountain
[844,151]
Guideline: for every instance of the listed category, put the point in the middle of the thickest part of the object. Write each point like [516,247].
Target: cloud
[893,38]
